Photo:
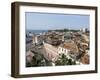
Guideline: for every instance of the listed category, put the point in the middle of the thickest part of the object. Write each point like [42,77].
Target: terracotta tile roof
[70,45]
[85,59]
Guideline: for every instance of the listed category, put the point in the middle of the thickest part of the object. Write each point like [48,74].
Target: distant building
[30,34]
[84,30]
[29,37]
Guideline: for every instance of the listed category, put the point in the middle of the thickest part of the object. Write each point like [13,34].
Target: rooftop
[70,45]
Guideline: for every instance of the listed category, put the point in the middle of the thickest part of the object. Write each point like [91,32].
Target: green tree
[38,60]
[63,60]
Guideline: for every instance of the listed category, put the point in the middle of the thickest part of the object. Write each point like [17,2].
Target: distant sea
[36,31]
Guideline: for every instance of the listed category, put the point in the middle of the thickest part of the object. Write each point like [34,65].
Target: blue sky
[48,21]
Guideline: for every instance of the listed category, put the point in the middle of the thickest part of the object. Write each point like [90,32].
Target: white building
[63,50]
[84,29]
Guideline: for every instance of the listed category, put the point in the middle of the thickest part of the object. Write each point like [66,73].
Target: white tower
[35,39]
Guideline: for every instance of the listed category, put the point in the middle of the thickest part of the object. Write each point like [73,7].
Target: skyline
[52,21]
